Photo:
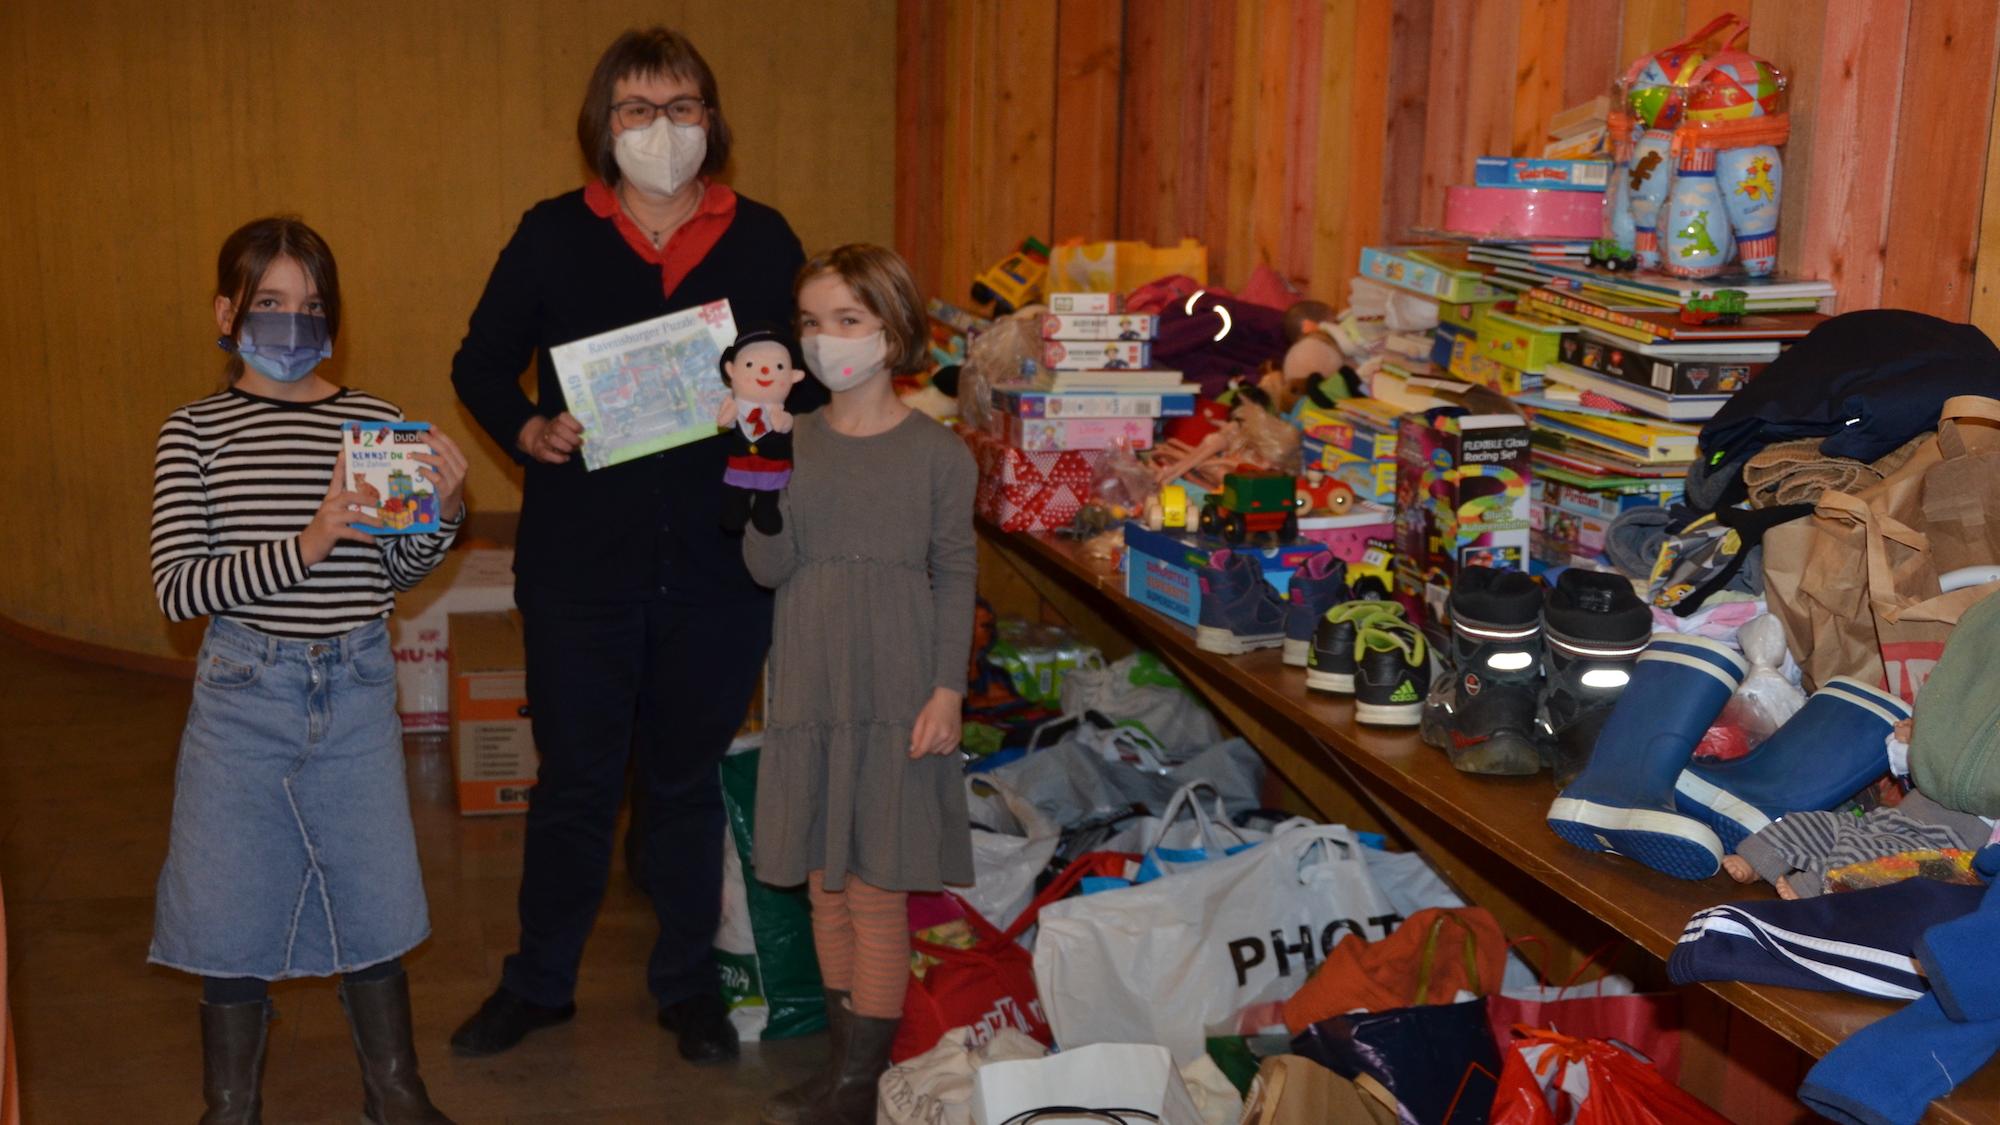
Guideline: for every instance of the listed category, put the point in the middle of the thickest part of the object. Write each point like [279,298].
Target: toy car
[1724,306]
[1014,281]
[1606,254]
[1173,506]
[1319,492]
[1372,577]
[1261,502]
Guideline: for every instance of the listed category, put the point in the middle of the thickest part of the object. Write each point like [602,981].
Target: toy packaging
[1559,175]
[1671,374]
[1038,435]
[1093,404]
[1120,267]
[1096,355]
[1435,271]
[381,456]
[1462,493]
[1128,326]
[1087,304]
[1161,570]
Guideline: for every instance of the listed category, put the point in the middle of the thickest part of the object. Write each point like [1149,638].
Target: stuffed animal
[760,368]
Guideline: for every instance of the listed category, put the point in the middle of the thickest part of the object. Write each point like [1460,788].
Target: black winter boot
[378,1012]
[1483,714]
[1596,628]
[788,1107]
[232,1061]
[851,1101]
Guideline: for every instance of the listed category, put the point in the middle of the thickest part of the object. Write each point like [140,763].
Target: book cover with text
[380,455]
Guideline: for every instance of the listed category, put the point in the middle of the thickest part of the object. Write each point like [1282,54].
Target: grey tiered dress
[874,571]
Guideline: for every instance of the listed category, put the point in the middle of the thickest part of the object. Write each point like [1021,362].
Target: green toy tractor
[1252,503]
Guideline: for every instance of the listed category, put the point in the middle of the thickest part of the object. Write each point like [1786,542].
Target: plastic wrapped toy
[1699,171]
[1765,699]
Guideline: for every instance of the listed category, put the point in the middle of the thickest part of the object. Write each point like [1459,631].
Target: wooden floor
[86,787]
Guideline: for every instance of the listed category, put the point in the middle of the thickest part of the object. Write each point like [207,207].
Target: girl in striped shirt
[292,851]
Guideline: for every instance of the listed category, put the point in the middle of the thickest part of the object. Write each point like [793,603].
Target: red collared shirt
[690,242]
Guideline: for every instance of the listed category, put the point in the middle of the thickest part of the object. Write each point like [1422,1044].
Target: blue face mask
[281,346]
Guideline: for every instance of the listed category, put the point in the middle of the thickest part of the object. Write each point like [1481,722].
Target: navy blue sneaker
[1318,584]
[1240,611]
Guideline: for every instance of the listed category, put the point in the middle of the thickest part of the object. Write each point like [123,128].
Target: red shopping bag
[1551,1079]
[1647,1022]
[992,984]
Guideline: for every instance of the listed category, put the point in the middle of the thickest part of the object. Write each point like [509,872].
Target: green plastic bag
[771,980]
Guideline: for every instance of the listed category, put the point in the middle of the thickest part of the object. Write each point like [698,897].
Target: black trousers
[659,682]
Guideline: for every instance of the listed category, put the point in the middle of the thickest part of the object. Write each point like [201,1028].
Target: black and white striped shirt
[236,479]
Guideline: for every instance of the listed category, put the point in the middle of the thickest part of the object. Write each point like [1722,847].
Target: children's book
[382,456]
[647,387]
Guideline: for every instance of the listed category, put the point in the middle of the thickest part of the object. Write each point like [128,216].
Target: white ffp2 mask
[844,363]
[662,157]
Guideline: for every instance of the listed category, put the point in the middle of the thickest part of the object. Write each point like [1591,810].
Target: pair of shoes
[1318,584]
[503,1021]
[378,1015]
[1642,796]
[1533,674]
[1366,649]
[790,1106]
[701,1023]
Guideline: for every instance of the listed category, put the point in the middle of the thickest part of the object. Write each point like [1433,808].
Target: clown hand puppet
[760,368]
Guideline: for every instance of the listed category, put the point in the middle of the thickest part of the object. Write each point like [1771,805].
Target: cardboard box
[1583,534]
[1161,570]
[1641,366]
[1344,432]
[1349,535]
[1520,342]
[1462,494]
[1600,504]
[1532,172]
[492,743]
[1093,404]
[465,581]
[1037,435]
[1372,479]
[1021,491]
[1072,326]
[1096,355]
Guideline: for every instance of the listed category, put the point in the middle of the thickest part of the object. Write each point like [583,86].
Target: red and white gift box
[1022,491]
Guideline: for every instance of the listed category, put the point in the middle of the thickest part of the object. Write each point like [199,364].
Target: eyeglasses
[637,113]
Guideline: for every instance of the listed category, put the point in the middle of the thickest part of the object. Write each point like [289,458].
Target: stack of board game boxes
[1098,390]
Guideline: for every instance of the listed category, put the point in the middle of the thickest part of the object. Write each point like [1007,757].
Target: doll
[760,368]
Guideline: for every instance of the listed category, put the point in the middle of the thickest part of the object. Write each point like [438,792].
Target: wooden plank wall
[1289,133]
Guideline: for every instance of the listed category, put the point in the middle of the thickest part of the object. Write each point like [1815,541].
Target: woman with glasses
[644,632]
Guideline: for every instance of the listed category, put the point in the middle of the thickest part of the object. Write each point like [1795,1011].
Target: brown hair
[882,281]
[656,50]
[247,255]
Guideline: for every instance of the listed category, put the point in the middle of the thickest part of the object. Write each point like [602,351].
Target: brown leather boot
[865,1057]
[378,1012]
[788,1107]
[232,1062]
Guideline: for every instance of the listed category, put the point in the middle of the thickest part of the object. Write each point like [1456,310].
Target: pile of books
[1098,390]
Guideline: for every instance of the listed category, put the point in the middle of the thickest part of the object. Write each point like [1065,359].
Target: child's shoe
[1330,661]
[1596,627]
[1831,749]
[1318,584]
[1392,673]
[1623,800]
[1240,611]
[1483,713]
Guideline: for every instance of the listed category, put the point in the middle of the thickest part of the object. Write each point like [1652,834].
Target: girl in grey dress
[859,794]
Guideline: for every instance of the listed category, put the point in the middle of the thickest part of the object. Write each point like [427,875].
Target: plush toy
[761,368]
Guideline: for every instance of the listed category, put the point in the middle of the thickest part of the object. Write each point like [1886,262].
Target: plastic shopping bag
[935,1088]
[1184,835]
[1553,1079]
[771,980]
[1140,691]
[1122,1083]
[1215,948]
[1012,844]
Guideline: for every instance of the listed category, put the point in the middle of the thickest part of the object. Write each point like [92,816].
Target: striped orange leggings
[862,934]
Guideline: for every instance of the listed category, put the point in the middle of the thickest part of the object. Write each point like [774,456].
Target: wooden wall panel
[412,135]
[1841,214]
[1089,34]
[1408,109]
[1986,282]
[1939,177]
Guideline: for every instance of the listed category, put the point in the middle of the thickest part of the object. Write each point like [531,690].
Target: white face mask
[662,157]
[844,363]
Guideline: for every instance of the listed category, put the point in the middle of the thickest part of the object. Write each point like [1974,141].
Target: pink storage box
[1495,212]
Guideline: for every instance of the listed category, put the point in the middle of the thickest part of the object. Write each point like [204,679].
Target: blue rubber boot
[1623,801]
[1240,611]
[1830,750]
[1318,584]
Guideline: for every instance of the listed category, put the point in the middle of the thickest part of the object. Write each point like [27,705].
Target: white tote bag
[1215,947]
[1012,842]
[1106,1077]
[935,1088]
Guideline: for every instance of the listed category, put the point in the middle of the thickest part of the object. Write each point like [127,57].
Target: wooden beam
[1845,177]
[1089,61]
[1986,275]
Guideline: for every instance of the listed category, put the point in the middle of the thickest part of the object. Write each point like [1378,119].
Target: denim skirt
[292,852]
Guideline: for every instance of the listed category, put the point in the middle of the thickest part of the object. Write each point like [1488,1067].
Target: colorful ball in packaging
[1737,85]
